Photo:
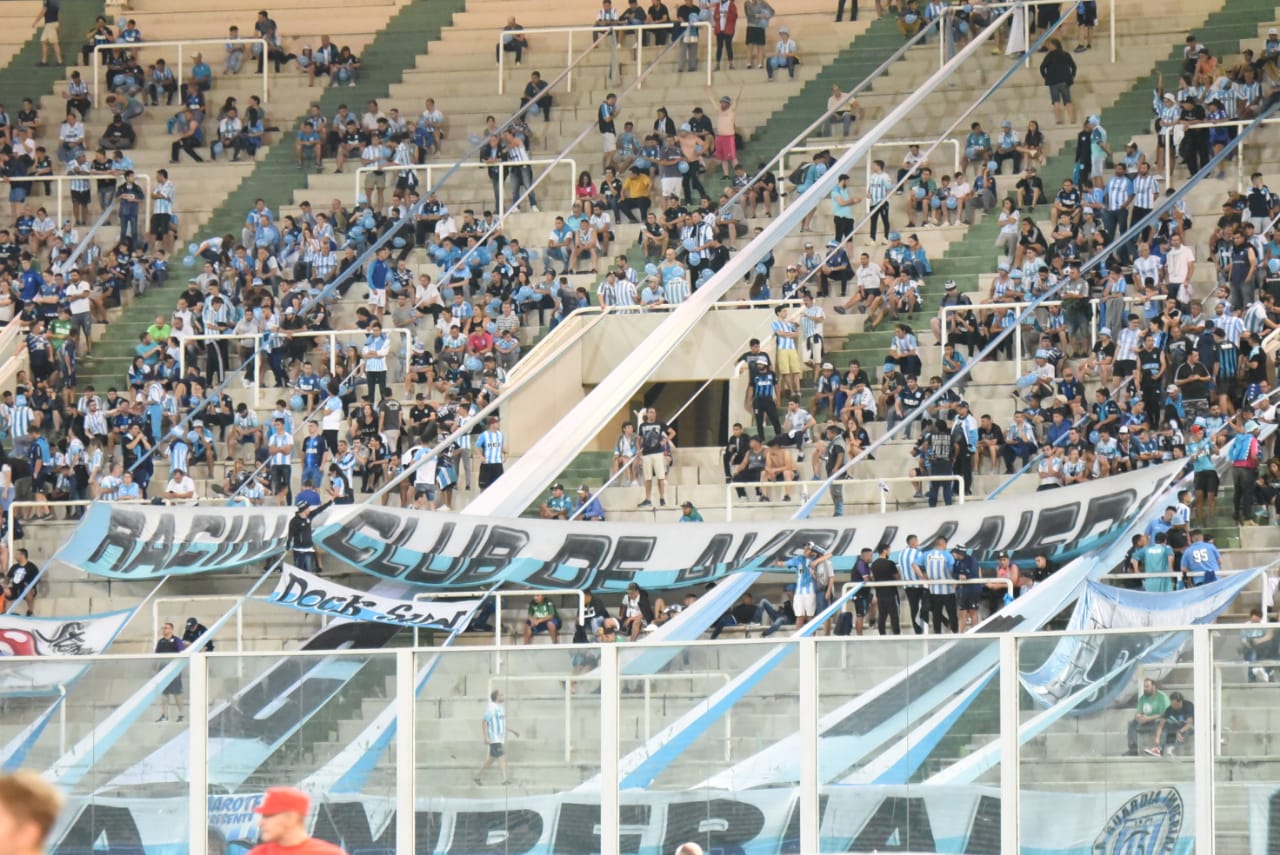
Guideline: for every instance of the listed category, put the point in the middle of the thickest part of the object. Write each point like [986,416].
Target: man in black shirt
[654,436]
[734,450]
[1030,189]
[20,584]
[833,458]
[1173,731]
[941,449]
[883,569]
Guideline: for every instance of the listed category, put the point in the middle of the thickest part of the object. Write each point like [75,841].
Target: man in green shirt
[1155,558]
[59,329]
[160,330]
[543,617]
[688,513]
[1151,706]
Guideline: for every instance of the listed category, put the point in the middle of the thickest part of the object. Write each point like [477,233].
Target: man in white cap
[784,55]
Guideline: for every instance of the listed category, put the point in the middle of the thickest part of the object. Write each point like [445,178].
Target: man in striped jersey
[812,318]
[805,598]
[788,356]
[878,195]
[376,348]
[675,289]
[179,450]
[1146,189]
[280,447]
[162,211]
[514,152]
[492,447]
[937,567]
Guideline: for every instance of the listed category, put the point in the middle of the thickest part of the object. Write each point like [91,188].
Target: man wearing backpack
[1243,454]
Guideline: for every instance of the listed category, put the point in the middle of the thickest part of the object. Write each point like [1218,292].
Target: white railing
[203,598]
[882,483]
[497,608]
[13,350]
[1026,26]
[706,37]
[1095,321]
[917,582]
[813,148]
[504,168]
[178,68]
[646,679]
[261,364]
[144,207]
[1166,141]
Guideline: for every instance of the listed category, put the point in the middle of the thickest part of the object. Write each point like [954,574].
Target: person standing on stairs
[47,20]
[758,14]
[168,643]
[724,19]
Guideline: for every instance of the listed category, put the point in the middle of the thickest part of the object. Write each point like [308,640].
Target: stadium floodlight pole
[1135,230]
[521,484]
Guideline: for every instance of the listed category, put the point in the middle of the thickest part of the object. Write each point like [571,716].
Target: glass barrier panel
[1107,742]
[908,747]
[1246,696]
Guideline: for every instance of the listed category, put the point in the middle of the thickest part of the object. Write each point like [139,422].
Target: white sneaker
[650,627]
[442,507]
[1261,673]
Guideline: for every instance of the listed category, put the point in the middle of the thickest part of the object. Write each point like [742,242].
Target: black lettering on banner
[346,824]
[844,542]
[503,545]
[889,535]
[947,529]
[580,553]
[1273,824]
[124,533]
[1054,527]
[732,824]
[715,559]
[455,565]
[628,550]
[153,551]
[517,831]
[187,553]
[984,828]
[1020,534]
[987,537]
[372,524]
[578,828]
[1107,513]
[423,573]
[101,828]
[898,825]
[790,844]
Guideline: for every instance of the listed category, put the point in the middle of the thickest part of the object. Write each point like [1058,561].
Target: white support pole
[610,686]
[568,82]
[406,740]
[710,37]
[198,755]
[501,83]
[810,816]
[1010,747]
[1204,748]
[1113,31]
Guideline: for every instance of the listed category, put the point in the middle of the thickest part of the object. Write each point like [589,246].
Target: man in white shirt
[180,488]
[1180,265]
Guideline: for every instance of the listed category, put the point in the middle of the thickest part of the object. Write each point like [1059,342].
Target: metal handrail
[813,148]
[1135,229]
[1166,141]
[502,166]
[851,95]
[66,179]
[155,613]
[883,483]
[178,72]
[609,30]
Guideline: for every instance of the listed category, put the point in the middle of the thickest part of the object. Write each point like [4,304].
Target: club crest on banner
[1147,824]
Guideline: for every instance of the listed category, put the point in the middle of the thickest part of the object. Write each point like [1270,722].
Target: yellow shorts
[655,467]
[49,34]
[789,361]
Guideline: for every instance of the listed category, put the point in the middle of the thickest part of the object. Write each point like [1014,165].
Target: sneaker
[786,498]
[633,483]
[180,718]
[1260,673]
[1154,751]
[645,504]
[162,718]
[662,503]
[841,310]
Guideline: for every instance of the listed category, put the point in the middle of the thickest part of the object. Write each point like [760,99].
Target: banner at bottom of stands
[1157,821]
[461,552]
[52,638]
[308,592]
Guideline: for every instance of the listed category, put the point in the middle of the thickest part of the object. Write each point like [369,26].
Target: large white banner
[446,550]
[1155,821]
[308,592]
[147,541]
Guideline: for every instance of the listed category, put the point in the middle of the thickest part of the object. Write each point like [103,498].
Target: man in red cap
[283,826]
